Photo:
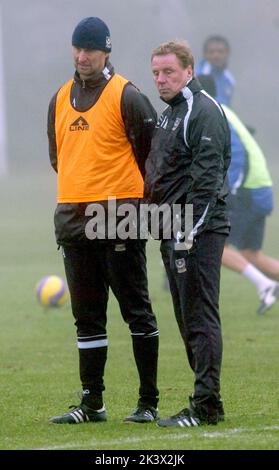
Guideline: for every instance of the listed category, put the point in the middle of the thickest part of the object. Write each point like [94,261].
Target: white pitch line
[94,444]
[271,428]
[221,434]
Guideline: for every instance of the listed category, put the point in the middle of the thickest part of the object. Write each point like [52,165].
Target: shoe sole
[139,422]
[102,420]
[81,422]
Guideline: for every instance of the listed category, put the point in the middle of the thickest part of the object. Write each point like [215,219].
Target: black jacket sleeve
[140,119]
[209,140]
[51,133]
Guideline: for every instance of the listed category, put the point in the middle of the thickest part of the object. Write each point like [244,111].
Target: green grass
[39,362]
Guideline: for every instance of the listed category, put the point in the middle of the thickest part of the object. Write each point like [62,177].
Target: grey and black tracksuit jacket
[189,158]
[187,164]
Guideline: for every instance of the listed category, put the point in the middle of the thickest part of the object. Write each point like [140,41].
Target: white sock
[261,281]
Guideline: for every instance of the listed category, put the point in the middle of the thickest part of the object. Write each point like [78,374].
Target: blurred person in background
[100,128]
[216,54]
[187,164]
[250,202]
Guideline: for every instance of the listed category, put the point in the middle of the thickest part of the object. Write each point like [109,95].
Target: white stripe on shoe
[185,420]
[76,418]
[148,414]
[79,416]
[194,422]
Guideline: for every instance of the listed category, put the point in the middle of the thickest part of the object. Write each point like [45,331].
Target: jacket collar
[185,93]
[103,77]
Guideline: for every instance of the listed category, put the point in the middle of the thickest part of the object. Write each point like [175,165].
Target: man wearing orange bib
[100,128]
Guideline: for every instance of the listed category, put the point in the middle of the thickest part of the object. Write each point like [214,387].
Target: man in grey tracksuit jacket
[187,164]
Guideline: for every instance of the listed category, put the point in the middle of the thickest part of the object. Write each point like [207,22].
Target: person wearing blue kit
[216,53]
[250,202]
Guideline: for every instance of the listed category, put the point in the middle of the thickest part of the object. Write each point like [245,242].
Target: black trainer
[80,414]
[182,419]
[196,415]
[143,414]
[208,412]
[269,297]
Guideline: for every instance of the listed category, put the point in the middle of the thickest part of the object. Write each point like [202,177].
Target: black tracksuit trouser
[91,268]
[194,285]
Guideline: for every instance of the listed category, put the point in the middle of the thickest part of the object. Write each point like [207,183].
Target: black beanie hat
[92,33]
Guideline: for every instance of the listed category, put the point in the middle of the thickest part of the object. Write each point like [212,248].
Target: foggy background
[36,37]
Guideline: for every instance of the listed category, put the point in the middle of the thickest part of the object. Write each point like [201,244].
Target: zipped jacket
[189,158]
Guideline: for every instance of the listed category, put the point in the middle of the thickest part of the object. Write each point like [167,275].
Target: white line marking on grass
[223,434]
[95,444]
[271,428]
[110,442]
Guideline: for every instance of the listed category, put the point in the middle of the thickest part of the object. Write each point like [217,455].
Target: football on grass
[51,291]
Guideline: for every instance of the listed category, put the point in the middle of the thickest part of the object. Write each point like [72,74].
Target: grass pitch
[39,360]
